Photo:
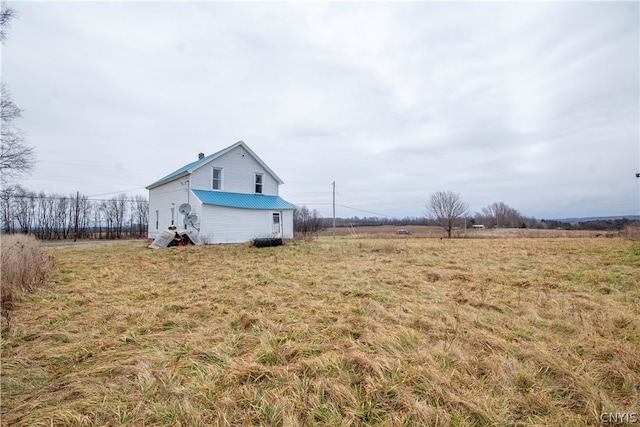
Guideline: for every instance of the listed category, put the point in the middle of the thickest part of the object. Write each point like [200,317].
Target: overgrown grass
[632,232]
[346,332]
[23,267]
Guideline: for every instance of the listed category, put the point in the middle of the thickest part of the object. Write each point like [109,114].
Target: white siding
[161,199]
[287,224]
[238,173]
[196,208]
[217,224]
[166,197]
[231,225]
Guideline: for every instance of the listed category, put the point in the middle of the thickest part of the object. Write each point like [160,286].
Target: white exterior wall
[162,199]
[238,174]
[232,225]
[287,224]
[196,208]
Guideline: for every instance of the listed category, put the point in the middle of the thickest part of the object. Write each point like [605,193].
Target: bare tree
[446,207]
[98,218]
[107,219]
[306,221]
[6,14]
[85,210]
[140,213]
[119,209]
[16,157]
[5,211]
[499,214]
[114,212]
[24,209]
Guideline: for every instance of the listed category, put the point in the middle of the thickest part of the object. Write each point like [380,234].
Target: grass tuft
[24,266]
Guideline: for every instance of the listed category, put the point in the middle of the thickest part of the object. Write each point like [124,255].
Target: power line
[345,206]
[363,210]
[54,197]
[116,192]
[72,181]
[96,166]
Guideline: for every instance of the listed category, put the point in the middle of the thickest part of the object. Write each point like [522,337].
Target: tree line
[444,209]
[447,210]
[75,216]
[356,221]
[501,215]
[306,221]
[595,224]
[59,217]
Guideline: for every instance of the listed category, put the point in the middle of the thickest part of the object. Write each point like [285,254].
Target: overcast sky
[532,104]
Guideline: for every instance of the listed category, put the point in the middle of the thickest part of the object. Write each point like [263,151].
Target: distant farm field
[426,231]
[396,332]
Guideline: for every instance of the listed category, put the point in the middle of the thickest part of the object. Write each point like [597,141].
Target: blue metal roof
[242,201]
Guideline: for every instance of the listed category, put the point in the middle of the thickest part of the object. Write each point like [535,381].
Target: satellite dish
[184,208]
[190,219]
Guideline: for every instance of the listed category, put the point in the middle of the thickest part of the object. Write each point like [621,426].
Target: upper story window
[216,181]
[258,185]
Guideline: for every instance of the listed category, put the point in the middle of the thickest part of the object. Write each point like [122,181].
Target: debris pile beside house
[266,242]
[171,237]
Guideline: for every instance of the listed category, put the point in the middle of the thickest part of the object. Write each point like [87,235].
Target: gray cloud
[533,104]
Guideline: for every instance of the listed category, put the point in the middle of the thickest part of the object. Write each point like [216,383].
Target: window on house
[157,219]
[173,215]
[276,222]
[259,183]
[216,183]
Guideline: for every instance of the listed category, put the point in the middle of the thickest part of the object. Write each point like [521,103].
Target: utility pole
[75,235]
[334,209]
[638,175]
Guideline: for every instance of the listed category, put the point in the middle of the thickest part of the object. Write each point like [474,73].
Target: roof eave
[164,181]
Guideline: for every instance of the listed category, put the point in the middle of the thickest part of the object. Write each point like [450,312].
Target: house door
[276,226]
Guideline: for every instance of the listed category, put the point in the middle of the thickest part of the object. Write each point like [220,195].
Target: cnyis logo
[619,418]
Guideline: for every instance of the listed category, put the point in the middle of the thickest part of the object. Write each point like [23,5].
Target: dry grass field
[393,332]
[426,231]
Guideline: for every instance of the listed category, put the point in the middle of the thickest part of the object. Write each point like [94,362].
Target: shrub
[24,266]
[632,232]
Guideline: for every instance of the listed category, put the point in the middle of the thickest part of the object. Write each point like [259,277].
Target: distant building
[230,196]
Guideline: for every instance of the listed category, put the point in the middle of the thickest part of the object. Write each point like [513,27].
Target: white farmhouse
[227,197]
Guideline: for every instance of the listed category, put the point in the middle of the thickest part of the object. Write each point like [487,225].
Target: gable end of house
[204,160]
